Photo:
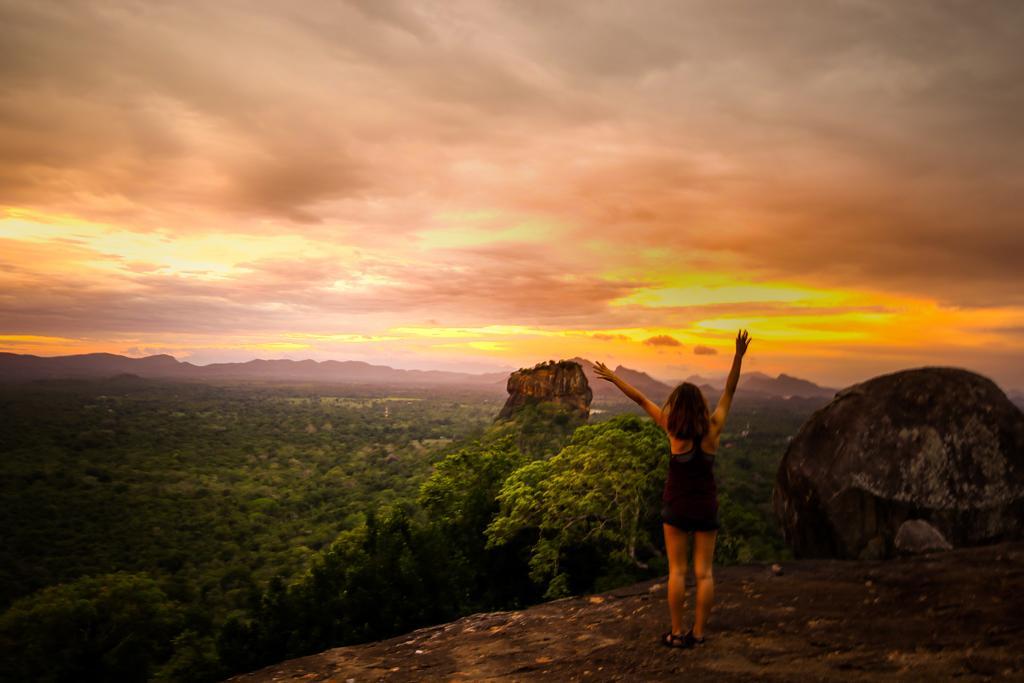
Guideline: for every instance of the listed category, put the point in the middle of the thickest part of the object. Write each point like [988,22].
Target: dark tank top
[690,489]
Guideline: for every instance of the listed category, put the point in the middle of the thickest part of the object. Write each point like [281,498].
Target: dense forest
[182,531]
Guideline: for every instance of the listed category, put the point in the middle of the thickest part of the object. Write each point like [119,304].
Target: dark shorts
[709,523]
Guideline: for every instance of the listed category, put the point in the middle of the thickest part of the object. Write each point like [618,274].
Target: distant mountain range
[756,383]
[24,367]
[606,391]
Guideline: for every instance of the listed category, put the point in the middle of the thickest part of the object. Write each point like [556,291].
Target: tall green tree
[597,493]
[386,577]
[460,498]
[111,627]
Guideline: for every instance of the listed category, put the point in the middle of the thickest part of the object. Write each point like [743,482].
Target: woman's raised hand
[602,371]
[742,342]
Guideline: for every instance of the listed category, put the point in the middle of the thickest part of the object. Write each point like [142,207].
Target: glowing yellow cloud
[35,339]
[697,289]
[463,230]
[463,332]
[343,337]
[475,345]
[275,346]
[197,256]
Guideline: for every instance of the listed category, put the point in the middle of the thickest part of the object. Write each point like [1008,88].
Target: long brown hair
[688,416]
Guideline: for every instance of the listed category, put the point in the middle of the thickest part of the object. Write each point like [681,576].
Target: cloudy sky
[487,185]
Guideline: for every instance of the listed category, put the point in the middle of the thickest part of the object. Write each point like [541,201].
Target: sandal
[670,639]
[692,640]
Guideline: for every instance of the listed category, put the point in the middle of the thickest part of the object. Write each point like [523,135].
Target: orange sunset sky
[486,185]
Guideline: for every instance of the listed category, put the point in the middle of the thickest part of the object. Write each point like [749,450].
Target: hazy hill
[760,383]
[606,391]
[784,385]
[22,367]
[1017,397]
[754,383]
[26,367]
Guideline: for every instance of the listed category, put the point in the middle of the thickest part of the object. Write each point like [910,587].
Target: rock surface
[944,445]
[918,536]
[920,618]
[561,382]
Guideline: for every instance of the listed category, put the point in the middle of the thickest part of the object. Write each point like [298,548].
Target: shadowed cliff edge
[935,616]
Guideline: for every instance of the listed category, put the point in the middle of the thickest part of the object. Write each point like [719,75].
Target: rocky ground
[956,615]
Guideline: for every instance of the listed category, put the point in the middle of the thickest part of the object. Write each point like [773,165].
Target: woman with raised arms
[690,495]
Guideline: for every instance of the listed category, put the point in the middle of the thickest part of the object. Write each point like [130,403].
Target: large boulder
[938,444]
[563,383]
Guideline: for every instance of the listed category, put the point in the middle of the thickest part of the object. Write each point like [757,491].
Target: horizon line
[1007,390]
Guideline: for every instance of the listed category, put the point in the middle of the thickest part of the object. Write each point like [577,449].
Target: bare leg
[703,552]
[675,547]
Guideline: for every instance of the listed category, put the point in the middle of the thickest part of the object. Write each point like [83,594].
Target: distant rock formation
[561,382]
[938,444]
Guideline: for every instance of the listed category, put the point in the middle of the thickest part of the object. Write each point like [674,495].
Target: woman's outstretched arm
[725,400]
[602,371]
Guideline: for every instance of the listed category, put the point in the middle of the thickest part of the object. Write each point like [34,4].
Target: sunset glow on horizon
[482,186]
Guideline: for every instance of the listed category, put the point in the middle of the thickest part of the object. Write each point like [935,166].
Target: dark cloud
[847,144]
[662,340]
[701,350]
[1011,330]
